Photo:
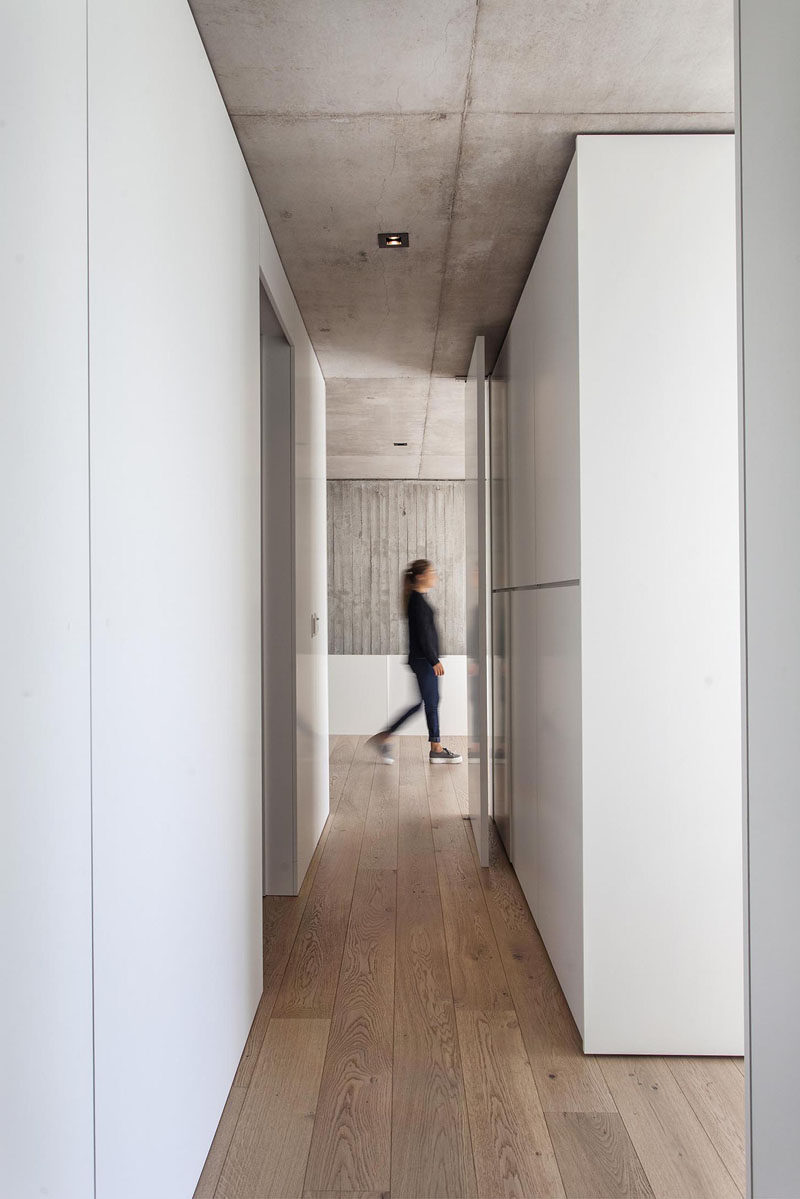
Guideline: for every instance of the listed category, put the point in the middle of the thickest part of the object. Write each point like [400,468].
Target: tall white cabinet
[617,559]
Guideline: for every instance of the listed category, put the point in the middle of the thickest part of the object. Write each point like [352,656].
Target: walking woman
[423,658]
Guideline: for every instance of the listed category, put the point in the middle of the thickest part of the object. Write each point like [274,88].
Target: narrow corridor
[412,1039]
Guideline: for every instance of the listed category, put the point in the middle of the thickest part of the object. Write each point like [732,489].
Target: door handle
[314,624]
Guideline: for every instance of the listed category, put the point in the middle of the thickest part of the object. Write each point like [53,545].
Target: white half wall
[46,1142]
[369,690]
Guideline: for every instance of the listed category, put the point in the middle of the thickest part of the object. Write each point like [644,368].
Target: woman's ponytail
[411,575]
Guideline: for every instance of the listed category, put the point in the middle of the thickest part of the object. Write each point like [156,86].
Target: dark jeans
[429,691]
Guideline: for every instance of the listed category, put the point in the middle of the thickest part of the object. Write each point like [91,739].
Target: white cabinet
[558,847]
[620,492]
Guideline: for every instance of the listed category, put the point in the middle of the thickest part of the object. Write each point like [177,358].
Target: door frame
[290,885]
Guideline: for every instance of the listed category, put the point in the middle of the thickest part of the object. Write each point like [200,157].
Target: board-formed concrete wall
[375,528]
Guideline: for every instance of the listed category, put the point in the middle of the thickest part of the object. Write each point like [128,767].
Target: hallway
[412,1039]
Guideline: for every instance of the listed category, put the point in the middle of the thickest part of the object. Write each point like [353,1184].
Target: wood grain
[678,1157]
[567,1080]
[207,1184]
[282,915]
[431,1148]
[714,1087]
[419,1093]
[351,1147]
[379,845]
[269,1151]
[511,1145]
[596,1158]
[346,1195]
[476,970]
[312,973]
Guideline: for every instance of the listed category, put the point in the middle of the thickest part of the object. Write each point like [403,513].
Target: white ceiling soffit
[454,121]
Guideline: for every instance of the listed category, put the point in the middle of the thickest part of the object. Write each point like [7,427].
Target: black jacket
[423,639]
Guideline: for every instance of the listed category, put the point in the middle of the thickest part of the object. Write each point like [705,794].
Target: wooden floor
[412,1039]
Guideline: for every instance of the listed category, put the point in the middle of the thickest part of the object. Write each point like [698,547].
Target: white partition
[369,690]
[46,1138]
[620,377]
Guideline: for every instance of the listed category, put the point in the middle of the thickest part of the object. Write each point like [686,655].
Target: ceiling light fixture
[392,241]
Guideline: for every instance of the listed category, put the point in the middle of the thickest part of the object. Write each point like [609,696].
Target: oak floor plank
[346,1195]
[715,1089]
[476,970]
[431,1146]
[282,915]
[471,1095]
[379,845]
[281,919]
[567,1080]
[312,973]
[511,1144]
[459,774]
[269,1151]
[351,1146]
[207,1184]
[343,751]
[672,1145]
[596,1157]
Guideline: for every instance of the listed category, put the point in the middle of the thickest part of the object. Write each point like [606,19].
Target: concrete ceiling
[455,121]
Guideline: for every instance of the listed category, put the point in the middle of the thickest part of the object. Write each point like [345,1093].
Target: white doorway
[279,701]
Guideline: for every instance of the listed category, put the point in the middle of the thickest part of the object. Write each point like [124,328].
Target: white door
[477,592]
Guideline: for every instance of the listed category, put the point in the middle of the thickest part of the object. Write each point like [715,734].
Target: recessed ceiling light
[392,241]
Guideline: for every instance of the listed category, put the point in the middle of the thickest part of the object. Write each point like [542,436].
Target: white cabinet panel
[546,805]
[478,595]
[554,282]
[524,807]
[661,668]
[625,691]
[498,489]
[558,786]
[516,365]
[501,715]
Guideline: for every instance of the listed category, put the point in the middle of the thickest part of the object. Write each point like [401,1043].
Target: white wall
[768,36]
[369,690]
[131,514]
[659,584]
[45,802]
[175,507]
[175,463]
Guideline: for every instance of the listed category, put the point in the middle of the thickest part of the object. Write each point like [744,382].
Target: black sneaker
[438,757]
